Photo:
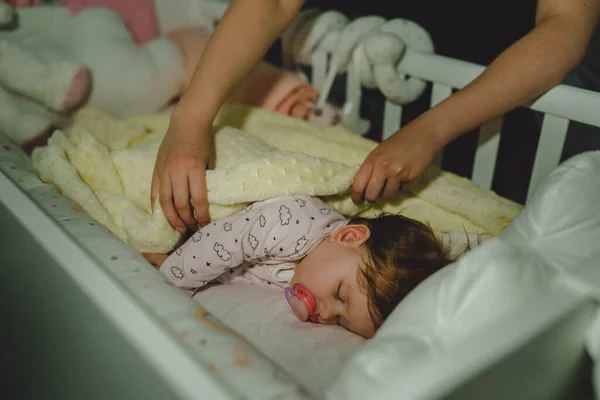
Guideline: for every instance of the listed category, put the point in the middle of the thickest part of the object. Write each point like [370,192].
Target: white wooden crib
[537,353]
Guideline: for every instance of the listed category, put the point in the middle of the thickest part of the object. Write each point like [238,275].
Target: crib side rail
[560,105]
[80,319]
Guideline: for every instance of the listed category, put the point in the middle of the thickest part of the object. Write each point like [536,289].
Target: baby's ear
[353,235]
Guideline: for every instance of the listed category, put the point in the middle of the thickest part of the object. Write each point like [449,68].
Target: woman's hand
[185,154]
[399,160]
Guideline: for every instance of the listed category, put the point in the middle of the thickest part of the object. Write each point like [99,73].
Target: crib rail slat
[547,157]
[566,101]
[392,119]
[319,68]
[439,69]
[487,152]
[351,110]
[353,88]
[439,93]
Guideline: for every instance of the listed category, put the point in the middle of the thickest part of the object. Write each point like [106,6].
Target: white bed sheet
[313,354]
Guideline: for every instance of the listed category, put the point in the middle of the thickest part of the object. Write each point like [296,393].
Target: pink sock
[139,15]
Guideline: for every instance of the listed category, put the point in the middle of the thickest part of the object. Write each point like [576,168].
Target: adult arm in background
[534,64]
[244,34]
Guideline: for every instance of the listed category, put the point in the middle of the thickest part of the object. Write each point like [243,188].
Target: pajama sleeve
[206,255]
[260,233]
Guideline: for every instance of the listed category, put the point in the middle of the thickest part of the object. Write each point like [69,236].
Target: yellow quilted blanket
[105,165]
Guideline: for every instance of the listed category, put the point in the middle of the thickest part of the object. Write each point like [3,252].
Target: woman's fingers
[197,180]
[154,188]
[361,179]
[375,185]
[166,202]
[181,198]
[392,187]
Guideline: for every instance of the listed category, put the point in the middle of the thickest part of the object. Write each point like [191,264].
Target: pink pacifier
[302,302]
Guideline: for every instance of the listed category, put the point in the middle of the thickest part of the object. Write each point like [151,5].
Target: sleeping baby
[334,270]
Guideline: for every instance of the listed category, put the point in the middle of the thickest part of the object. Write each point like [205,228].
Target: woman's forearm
[531,66]
[240,40]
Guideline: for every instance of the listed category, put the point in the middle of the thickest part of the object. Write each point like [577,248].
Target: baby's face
[330,273]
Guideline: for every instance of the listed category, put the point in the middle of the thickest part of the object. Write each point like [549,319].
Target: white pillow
[313,354]
[561,220]
[559,227]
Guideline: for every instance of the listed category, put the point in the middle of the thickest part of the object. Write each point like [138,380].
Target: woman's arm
[534,64]
[240,40]
[530,67]
[246,31]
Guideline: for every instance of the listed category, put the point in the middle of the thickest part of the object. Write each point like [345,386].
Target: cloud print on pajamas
[227,227]
[325,211]
[197,237]
[300,244]
[221,252]
[284,215]
[177,272]
[262,221]
[301,202]
[253,241]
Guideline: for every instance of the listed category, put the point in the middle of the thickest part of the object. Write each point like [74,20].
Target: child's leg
[190,42]
[266,86]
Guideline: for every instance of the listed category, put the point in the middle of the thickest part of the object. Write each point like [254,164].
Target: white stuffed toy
[56,58]
[53,62]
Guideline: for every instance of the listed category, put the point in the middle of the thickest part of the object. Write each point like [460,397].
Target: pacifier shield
[302,302]
[298,307]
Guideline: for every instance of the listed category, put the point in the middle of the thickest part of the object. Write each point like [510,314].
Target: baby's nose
[327,313]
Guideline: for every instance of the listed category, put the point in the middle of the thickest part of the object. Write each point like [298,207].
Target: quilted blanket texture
[105,165]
